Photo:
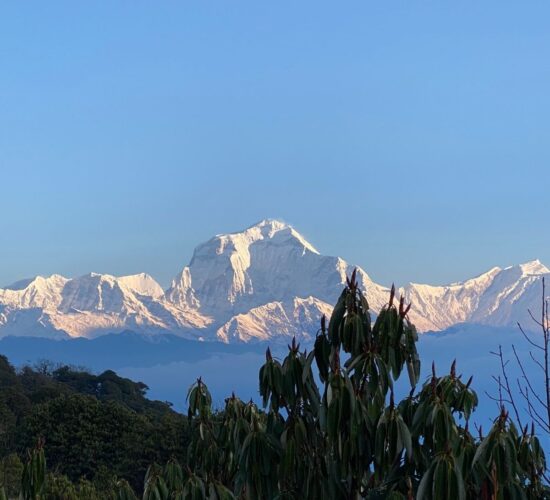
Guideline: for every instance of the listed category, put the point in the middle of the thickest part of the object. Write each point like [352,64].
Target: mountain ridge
[266,282]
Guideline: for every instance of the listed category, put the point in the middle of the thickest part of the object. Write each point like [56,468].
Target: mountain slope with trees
[96,427]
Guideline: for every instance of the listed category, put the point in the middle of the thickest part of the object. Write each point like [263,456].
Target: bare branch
[538,405]
[534,319]
[535,360]
[506,385]
[533,411]
[534,344]
[497,400]
[524,376]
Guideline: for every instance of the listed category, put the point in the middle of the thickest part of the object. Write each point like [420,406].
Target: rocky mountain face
[264,283]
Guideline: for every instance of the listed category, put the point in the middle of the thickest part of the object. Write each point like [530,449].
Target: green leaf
[405,437]
[425,487]
[336,318]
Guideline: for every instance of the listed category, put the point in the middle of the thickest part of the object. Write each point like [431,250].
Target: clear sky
[412,138]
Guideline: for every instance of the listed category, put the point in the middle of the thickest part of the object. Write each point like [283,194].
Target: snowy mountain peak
[21,284]
[38,292]
[234,272]
[142,283]
[37,282]
[271,225]
[181,292]
[267,229]
[497,297]
[533,267]
[482,279]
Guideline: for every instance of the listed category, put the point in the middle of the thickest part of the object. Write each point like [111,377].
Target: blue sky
[411,138]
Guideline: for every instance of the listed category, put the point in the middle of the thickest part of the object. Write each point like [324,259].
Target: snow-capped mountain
[90,305]
[270,261]
[264,283]
[499,297]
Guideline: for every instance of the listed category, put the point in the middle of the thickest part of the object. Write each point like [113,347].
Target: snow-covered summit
[269,229]
[498,297]
[267,282]
[142,283]
[533,267]
[90,305]
[38,292]
[233,273]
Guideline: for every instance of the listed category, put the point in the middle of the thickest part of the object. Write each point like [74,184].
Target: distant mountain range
[264,283]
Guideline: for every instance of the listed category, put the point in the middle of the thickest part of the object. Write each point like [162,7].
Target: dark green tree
[83,434]
[11,470]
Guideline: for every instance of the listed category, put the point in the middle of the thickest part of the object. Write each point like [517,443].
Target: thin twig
[533,411]
[507,384]
[520,364]
[534,319]
[534,344]
[535,360]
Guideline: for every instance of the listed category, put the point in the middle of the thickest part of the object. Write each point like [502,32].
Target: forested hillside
[98,428]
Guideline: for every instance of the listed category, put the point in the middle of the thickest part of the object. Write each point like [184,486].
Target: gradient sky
[412,139]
